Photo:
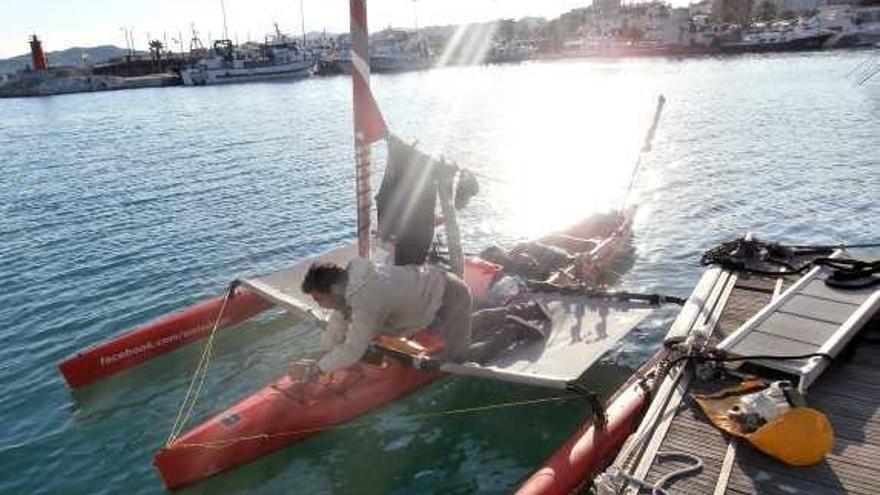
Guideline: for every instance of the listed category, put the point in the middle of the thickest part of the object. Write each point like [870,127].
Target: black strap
[587,291]
[741,255]
[600,419]
[728,359]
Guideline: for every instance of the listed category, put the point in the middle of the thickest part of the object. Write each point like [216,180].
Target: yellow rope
[200,373]
[220,444]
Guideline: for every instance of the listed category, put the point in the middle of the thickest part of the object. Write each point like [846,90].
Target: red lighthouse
[37,56]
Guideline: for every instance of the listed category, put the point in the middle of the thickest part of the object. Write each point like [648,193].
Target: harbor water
[120,207]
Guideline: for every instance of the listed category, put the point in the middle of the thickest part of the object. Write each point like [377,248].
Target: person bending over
[369,299]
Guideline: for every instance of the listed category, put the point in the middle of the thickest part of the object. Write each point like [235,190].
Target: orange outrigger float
[286,412]
[159,337]
[593,446]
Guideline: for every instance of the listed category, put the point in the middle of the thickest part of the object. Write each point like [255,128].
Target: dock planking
[848,393]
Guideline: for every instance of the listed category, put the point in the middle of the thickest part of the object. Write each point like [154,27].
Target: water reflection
[120,207]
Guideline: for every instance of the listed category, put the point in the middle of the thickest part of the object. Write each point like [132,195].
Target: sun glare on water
[568,145]
[561,140]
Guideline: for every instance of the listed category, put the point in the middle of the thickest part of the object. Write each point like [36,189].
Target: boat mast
[360,86]
[223,10]
[302,21]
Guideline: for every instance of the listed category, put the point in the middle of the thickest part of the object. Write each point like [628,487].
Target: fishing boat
[337,60]
[279,58]
[788,38]
[751,315]
[510,51]
[388,53]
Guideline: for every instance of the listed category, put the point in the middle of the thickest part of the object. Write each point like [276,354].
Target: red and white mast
[369,126]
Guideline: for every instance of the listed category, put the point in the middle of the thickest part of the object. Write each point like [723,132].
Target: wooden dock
[848,392]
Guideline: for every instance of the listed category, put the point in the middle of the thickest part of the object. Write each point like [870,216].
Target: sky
[65,23]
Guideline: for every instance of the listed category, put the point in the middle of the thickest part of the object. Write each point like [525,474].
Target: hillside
[71,56]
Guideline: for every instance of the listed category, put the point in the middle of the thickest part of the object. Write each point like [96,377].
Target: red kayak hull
[612,233]
[285,412]
[157,338]
[588,451]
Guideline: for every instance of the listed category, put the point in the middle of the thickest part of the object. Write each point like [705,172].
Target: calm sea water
[120,207]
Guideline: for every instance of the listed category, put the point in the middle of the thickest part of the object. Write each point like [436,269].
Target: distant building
[606,6]
[733,11]
[854,3]
[531,24]
[843,19]
[683,29]
[799,6]
[700,8]
[677,28]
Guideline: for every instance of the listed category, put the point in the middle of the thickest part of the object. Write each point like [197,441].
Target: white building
[682,28]
[858,25]
[799,6]
[700,8]
[676,28]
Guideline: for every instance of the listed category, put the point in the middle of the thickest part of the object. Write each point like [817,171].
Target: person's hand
[304,370]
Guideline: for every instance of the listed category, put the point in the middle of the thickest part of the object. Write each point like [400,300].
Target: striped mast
[360,87]
[369,125]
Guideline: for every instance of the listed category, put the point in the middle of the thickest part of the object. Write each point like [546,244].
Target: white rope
[609,483]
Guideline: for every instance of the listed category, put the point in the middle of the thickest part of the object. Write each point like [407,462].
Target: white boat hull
[396,64]
[200,76]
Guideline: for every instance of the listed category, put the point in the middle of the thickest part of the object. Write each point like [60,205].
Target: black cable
[837,246]
[735,256]
[600,419]
[586,291]
[726,359]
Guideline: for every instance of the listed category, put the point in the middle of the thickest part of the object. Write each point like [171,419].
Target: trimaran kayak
[284,412]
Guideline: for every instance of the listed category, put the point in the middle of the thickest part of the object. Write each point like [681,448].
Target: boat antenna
[302,20]
[223,10]
[646,147]
[130,35]
[416,14]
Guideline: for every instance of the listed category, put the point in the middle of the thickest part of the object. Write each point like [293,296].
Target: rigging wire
[201,371]
[220,444]
[646,147]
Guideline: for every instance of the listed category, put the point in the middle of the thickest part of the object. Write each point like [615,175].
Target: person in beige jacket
[370,299]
